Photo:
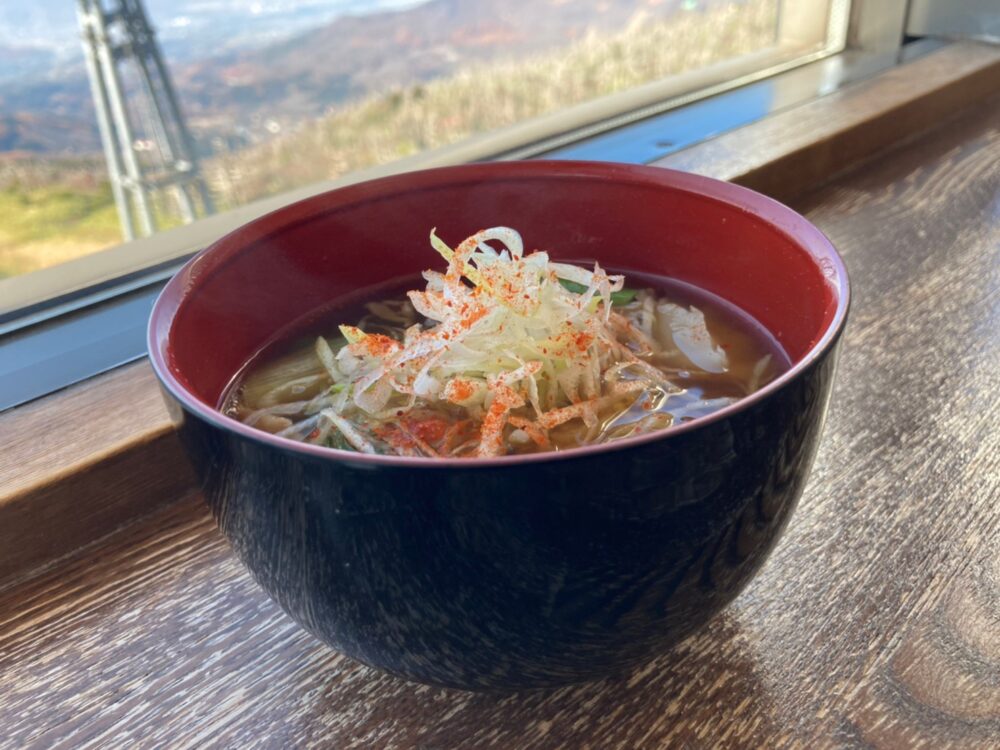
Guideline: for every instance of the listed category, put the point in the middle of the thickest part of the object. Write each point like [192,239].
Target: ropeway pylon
[147,145]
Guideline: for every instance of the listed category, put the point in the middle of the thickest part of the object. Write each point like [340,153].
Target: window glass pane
[277,95]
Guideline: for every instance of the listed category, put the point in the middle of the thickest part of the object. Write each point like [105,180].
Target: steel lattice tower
[147,145]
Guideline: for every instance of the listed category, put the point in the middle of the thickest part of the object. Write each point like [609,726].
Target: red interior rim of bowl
[784,219]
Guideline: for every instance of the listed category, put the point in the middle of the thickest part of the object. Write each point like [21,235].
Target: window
[280,100]
[278,96]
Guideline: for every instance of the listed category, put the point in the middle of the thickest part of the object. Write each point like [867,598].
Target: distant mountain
[55,116]
[248,94]
[186,27]
[353,56]
[41,62]
[47,134]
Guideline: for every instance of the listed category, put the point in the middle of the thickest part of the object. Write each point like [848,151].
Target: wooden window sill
[875,618]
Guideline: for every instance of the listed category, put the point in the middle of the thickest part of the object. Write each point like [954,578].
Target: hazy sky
[51,24]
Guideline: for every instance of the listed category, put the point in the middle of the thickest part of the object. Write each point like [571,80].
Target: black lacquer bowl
[518,571]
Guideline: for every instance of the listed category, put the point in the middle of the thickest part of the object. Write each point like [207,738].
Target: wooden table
[876,623]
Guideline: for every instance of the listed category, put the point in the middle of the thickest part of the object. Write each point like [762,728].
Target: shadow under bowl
[520,571]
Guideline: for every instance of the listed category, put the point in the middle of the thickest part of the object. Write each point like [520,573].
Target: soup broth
[708,353]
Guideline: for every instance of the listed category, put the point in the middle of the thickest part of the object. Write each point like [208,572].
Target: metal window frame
[37,310]
[977,20]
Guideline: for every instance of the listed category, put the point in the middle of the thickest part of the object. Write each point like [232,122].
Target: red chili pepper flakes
[473,317]
[462,390]
[379,345]
[430,430]
[395,437]
[583,340]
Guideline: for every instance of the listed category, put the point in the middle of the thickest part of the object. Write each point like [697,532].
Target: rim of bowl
[787,221]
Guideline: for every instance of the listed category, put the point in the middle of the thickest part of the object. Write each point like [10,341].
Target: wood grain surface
[74,466]
[876,624]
